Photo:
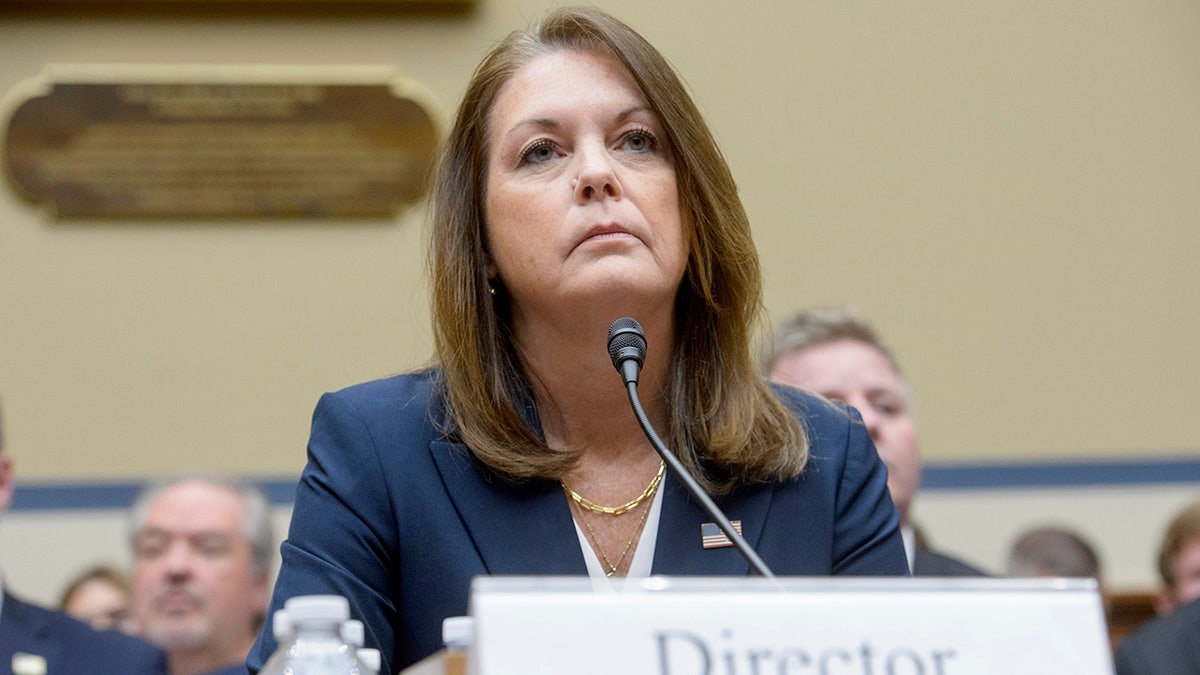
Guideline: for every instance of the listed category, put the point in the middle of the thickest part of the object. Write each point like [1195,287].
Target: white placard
[793,626]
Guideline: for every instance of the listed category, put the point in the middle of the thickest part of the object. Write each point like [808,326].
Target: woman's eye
[538,153]
[639,140]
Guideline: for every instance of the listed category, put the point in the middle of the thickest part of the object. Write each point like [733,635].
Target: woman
[100,596]
[579,184]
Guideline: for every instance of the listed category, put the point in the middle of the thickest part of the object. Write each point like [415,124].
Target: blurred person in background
[1169,644]
[834,352]
[202,548]
[1051,551]
[101,596]
[1179,560]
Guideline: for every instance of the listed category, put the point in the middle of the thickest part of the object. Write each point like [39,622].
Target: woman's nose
[597,177]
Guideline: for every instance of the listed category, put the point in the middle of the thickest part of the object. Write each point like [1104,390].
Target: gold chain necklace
[628,506]
[591,535]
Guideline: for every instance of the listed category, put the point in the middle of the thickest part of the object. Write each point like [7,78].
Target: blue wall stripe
[77,495]
[1059,474]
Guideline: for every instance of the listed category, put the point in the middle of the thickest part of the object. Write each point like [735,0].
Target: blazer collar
[528,529]
[517,529]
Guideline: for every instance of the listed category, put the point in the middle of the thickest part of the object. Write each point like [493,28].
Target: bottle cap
[281,625]
[370,658]
[352,633]
[304,609]
[458,631]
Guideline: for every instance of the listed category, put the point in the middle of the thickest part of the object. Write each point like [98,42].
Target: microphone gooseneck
[627,349]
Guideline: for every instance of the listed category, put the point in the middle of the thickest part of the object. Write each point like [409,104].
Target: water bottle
[313,643]
[281,628]
[354,635]
[458,632]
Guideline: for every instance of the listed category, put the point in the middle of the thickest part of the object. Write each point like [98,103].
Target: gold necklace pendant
[628,506]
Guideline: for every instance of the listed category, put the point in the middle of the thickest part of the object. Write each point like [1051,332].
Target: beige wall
[1010,189]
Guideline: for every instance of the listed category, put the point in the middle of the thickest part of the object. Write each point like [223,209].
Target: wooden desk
[1127,611]
[442,662]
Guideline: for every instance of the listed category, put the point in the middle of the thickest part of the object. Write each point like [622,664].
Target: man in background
[202,548]
[39,641]
[1051,551]
[835,352]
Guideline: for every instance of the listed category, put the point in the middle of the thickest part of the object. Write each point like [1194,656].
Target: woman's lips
[606,231]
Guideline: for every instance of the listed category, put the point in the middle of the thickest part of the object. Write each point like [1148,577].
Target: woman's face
[582,203]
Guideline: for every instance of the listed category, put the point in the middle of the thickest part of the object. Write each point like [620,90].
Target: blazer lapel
[680,550]
[517,530]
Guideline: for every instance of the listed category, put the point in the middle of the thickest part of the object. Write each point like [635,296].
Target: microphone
[627,349]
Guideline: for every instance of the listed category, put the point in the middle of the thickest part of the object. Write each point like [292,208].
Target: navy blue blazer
[69,646]
[398,519]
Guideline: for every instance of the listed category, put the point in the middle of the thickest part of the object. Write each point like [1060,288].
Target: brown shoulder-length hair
[109,574]
[1184,527]
[726,424]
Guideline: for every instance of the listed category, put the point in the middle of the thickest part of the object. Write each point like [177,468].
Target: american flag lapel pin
[711,535]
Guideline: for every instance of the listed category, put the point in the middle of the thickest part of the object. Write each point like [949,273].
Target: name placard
[228,141]
[693,626]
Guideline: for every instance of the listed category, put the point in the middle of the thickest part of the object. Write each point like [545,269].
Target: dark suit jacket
[1166,645]
[71,647]
[397,518]
[929,563]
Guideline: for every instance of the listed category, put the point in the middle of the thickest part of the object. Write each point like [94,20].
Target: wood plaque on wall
[193,141]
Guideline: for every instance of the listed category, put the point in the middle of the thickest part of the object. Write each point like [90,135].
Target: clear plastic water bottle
[281,628]
[458,632]
[315,645]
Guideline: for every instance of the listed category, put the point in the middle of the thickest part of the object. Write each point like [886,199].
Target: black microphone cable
[627,349]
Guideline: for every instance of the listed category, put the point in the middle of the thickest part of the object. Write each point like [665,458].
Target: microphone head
[626,341]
